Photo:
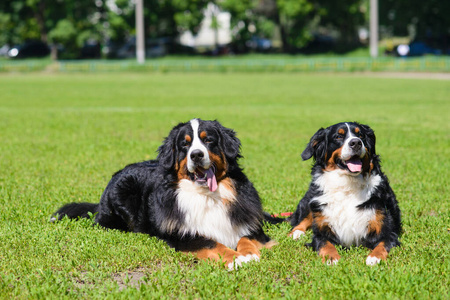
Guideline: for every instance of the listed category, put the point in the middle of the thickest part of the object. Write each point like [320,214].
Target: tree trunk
[283,34]
[54,52]
[40,19]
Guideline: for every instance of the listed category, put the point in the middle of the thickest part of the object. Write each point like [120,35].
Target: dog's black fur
[327,148]
[143,197]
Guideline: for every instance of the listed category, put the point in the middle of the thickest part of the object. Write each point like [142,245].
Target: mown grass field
[63,135]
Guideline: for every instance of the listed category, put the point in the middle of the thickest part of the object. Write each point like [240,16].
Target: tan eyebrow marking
[202,134]
[341,131]
[188,138]
[356,130]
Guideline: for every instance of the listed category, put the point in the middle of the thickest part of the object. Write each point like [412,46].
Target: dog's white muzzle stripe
[197,145]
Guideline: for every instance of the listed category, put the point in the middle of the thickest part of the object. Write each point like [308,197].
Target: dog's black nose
[197,155]
[355,144]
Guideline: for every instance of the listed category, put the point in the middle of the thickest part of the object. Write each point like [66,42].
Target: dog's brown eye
[187,141]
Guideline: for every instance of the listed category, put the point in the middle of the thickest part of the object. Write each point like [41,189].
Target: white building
[207,36]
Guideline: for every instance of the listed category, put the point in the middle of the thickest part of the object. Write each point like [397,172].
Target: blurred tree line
[294,23]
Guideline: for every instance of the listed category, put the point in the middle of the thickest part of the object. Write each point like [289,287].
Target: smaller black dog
[349,201]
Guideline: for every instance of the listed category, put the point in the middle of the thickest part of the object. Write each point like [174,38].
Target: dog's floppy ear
[370,138]
[316,146]
[230,144]
[167,152]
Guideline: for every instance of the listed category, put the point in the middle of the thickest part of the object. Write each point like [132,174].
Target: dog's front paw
[240,260]
[296,234]
[332,262]
[372,260]
[329,254]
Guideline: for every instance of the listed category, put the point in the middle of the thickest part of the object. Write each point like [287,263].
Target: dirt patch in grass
[131,278]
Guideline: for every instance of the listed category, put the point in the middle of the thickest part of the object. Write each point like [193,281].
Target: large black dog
[194,196]
[349,201]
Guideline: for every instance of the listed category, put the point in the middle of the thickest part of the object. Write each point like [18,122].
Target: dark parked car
[259,44]
[90,50]
[153,48]
[29,49]
[418,48]
[436,46]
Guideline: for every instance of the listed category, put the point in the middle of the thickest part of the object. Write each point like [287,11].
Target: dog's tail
[75,210]
[274,219]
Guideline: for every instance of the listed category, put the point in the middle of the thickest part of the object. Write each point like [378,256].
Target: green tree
[296,20]
[162,18]
[48,20]
[249,18]
[71,23]
[18,22]
[345,16]
[293,17]
[429,18]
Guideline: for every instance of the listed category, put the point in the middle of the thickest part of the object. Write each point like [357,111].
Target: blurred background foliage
[70,27]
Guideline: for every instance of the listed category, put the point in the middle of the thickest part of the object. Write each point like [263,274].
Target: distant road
[413,75]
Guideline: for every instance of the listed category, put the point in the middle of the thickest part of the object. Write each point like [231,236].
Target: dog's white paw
[332,262]
[242,260]
[372,260]
[297,234]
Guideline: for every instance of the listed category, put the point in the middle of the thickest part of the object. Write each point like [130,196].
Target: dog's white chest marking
[341,196]
[206,213]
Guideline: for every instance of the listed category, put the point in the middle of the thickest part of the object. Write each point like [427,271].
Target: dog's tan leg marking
[247,246]
[329,254]
[378,254]
[301,228]
[247,250]
[218,253]
[376,223]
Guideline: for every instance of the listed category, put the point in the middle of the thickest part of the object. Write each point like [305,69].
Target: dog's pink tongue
[354,165]
[211,180]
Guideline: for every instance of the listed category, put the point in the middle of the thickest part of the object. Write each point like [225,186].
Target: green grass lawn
[63,135]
